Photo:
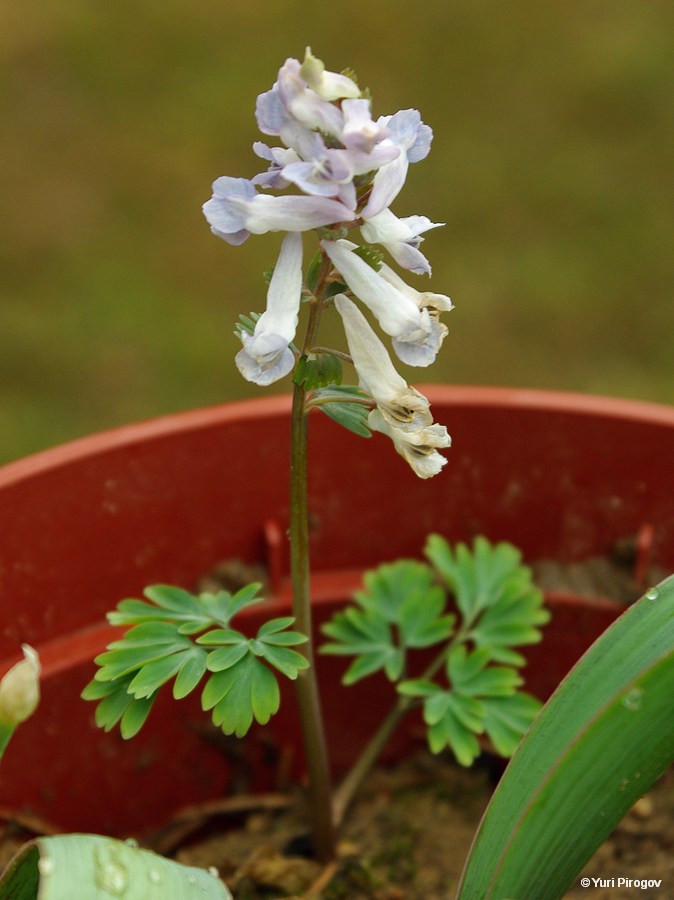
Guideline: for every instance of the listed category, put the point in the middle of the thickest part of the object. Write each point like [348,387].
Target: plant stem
[320,789]
[353,779]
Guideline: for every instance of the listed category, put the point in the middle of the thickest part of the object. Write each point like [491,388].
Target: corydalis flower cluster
[342,169]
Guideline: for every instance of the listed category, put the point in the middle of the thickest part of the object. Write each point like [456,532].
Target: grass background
[551,166]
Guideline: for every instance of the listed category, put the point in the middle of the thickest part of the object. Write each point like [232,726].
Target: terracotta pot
[96,520]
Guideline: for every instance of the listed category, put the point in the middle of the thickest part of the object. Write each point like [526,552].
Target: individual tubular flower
[304,104]
[418,448]
[401,237]
[278,157]
[402,413]
[401,406]
[359,131]
[236,210]
[417,335]
[266,355]
[413,138]
[433,303]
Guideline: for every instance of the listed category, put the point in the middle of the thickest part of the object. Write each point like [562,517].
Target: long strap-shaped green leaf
[93,867]
[601,740]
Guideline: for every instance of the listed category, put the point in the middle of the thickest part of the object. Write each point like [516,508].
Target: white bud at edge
[20,688]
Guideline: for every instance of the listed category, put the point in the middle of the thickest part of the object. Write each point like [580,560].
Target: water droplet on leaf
[45,867]
[111,875]
[632,699]
[652,594]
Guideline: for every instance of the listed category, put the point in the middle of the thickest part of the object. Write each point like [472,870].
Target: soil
[407,838]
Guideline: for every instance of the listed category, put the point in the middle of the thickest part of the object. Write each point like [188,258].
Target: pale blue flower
[413,138]
[360,132]
[266,355]
[401,237]
[416,334]
[236,210]
[323,172]
[304,104]
[278,157]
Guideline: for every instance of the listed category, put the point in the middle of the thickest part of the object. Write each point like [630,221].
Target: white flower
[429,300]
[402,413]
[401,405]
[416,334]
[266,355]
[236,210]
[401,237]
[418,448]
[20,689]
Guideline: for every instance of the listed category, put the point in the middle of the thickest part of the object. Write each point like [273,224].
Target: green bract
[160,646]
[347,405]
[317,371]
[403,608]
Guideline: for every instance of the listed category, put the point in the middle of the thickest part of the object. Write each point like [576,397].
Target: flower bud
[20,689]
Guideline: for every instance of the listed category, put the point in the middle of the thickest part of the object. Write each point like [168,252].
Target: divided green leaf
[399,609]
[471,688]
[177,635]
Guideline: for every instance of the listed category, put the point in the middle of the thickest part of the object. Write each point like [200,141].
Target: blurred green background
[551,166]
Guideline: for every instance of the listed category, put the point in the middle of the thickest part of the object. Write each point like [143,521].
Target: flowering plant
[344,169]
[338,170]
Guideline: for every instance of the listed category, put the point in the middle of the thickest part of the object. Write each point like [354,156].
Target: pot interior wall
[88,524]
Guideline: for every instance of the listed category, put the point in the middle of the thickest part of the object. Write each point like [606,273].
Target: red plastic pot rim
[279,405]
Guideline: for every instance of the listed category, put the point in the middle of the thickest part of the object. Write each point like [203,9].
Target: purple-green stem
[313,732]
